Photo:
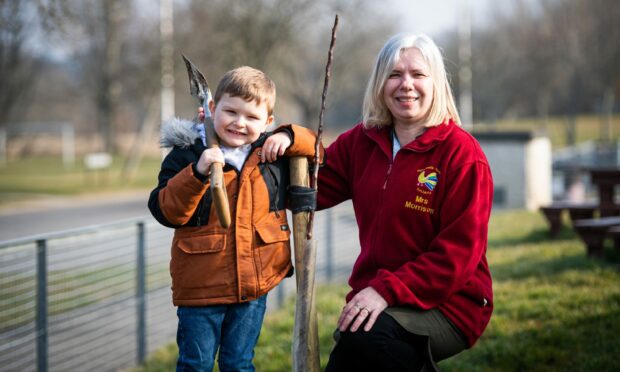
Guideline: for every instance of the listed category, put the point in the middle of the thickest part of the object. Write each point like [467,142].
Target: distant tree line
[546,57]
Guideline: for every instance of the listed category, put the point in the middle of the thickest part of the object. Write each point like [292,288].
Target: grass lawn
[555,309]
[584,128]
[28,178]
[31,177]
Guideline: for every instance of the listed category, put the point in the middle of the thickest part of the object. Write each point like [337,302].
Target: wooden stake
[305,333]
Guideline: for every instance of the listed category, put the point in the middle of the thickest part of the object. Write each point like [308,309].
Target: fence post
[280,294]
[329,253]
[4,152]
[141,294]
[68,145]
[41,321]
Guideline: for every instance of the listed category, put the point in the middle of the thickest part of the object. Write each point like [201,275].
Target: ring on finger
[364,309]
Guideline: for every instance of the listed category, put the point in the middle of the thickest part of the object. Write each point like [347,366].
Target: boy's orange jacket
[211,265]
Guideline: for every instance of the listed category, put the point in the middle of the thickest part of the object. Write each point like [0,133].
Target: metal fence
[98,298]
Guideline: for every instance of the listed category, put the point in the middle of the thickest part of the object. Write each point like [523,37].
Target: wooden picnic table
[606,179]
[576,211]
[593,231]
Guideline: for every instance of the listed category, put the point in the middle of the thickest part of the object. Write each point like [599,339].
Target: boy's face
[238,122]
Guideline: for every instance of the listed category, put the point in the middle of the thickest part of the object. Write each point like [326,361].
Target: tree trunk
[110,80]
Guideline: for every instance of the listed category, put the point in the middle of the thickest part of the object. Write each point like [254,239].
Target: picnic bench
[614,234]
[576,211]
[594,231]
[605,179]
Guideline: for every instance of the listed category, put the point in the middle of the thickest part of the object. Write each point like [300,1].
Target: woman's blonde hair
[443,108]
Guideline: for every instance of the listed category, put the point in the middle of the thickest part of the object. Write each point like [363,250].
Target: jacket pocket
[273,233]
[203,243]
[200,265]
[273,252]
[475,291]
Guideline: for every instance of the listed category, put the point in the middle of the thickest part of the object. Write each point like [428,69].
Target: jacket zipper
[381,208]
[276,198]
[387,176]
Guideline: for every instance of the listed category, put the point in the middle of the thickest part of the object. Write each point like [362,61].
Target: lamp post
[465,73]
[166,31]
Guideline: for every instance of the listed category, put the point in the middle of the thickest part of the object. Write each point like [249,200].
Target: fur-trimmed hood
[178,132]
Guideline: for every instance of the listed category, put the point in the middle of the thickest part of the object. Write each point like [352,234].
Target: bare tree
[547,57]
[95,32]
[223,34]
[360,38]
[601,31]
[103,25]
[288,39]
[16,65]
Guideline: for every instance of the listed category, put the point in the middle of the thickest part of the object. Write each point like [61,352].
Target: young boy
[220,277]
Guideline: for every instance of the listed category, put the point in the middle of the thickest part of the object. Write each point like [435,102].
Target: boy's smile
[239,122]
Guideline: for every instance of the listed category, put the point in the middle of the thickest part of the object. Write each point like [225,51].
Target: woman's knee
[384,329]
[378,351]
[361,341]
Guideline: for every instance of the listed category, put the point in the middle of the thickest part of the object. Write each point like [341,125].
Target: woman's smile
[408,91]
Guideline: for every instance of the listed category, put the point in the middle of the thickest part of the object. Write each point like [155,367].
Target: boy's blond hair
[250,84]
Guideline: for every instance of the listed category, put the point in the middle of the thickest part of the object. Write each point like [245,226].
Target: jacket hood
[178,132]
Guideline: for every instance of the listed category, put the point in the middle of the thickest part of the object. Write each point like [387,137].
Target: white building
[521,167]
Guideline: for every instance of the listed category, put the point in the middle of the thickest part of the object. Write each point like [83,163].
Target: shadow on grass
[612,254]
[539,266]
[540,235]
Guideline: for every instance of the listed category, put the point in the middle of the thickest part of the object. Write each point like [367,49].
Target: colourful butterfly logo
[429,181]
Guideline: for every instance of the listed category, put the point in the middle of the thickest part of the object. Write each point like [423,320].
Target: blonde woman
[422,190]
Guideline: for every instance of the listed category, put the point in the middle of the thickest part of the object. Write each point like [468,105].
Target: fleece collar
[426,142]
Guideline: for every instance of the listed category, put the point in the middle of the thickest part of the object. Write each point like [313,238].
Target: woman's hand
[366,305]
[275,146]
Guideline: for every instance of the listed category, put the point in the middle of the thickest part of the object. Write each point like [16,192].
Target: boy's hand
[275,146]
[208,157]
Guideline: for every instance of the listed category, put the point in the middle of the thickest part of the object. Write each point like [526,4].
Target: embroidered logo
[427,181]
[428,178]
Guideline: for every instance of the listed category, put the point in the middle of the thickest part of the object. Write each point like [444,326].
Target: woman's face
[408,91]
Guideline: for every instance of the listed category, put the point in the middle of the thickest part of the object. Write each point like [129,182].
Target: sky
[434,17]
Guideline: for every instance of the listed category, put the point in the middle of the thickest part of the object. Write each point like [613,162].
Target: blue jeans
[232,328]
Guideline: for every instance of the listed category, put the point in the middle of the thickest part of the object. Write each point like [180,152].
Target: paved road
[63,213]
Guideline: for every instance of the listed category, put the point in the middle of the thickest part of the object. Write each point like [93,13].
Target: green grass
[587,127]
[555,309]
[28,178]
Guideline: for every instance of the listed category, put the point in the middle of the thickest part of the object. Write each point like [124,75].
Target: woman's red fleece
[422,217]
